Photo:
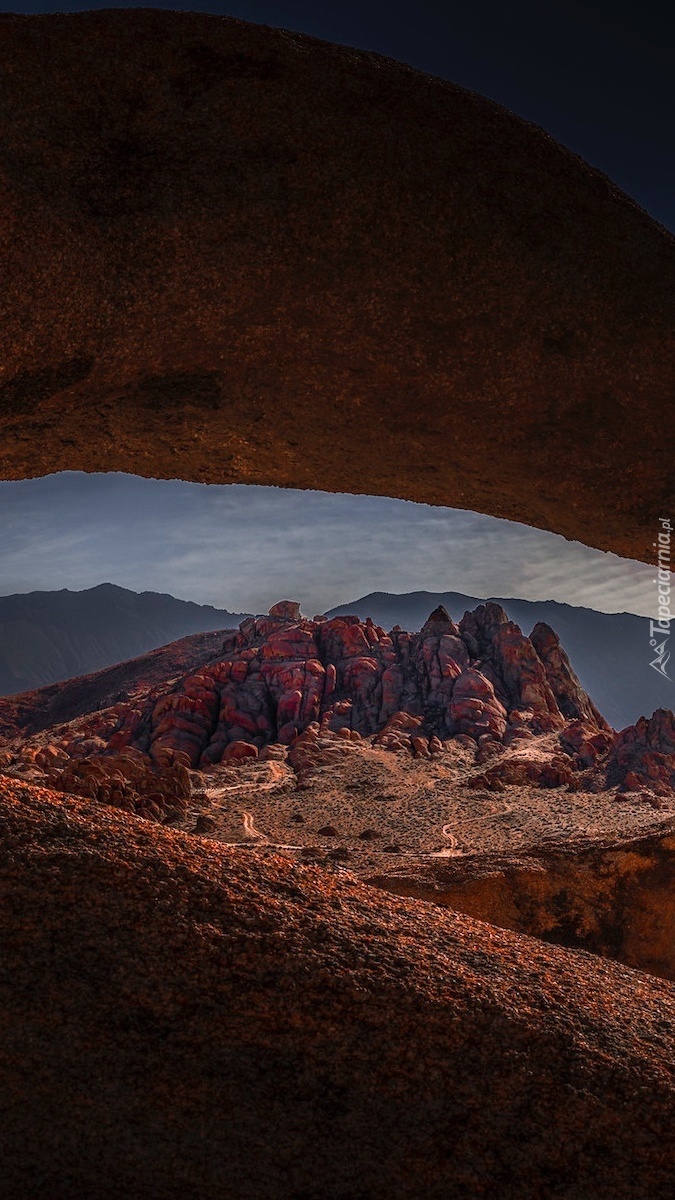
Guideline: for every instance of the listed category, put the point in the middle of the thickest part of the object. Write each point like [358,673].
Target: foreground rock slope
[237,254]
[179,1018]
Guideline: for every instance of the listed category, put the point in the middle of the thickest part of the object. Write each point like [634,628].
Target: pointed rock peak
[543,636]
[485,618]
[439,616]
[573,702]
[491,613]
[480,628]
[289,610]
[440,622]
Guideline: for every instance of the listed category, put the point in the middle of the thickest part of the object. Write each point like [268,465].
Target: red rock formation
[570,697]
[644,754]
[510,661]
[583,741]
[281,674]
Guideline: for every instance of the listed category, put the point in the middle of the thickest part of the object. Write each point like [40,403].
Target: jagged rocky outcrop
[280,674]
[644,754]
[570,697]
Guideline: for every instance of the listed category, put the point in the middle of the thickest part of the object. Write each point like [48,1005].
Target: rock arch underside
[234,254]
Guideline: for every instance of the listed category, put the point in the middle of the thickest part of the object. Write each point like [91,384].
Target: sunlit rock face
[231,253]
[282,673]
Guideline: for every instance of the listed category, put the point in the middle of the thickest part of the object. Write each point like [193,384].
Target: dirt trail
[250,830]
[276,778]
[451,851]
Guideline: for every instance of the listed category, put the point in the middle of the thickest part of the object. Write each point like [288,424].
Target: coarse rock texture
[155,790]
[283,676]
[237,254]
[570,697]
[180,1019]
[615,899]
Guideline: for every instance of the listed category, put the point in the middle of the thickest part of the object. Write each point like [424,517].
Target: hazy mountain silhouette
[49,636]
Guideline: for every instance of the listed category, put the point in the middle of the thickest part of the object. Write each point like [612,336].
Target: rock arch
[236,254]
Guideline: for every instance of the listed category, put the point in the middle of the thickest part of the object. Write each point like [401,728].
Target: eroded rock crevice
[615,900]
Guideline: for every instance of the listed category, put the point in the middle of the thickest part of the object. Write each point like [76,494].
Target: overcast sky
[243,548]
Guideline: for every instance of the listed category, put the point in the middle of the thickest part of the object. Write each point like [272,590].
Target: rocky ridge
[300,692]
[283,675]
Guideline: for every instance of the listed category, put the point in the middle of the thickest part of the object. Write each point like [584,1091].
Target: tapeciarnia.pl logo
[657,629]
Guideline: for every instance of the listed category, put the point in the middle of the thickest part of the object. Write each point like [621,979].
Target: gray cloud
[242,548]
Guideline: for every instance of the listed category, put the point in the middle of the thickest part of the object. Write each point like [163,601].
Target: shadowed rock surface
[232,253]
[182,1019]
[613,899]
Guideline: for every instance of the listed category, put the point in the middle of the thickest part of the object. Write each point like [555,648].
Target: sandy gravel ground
[376,807]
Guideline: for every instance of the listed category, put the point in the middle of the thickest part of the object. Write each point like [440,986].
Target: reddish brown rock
[523,677]
[398,732]
[280,674]
[570,697]
[234,1000]
[474,708]
[238,751]
[131,781]
[420,747]
[645,751]
[289,610]
[586,741]
[522,771]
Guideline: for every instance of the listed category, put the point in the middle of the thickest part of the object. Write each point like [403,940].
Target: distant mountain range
[49,636]
[610,652]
